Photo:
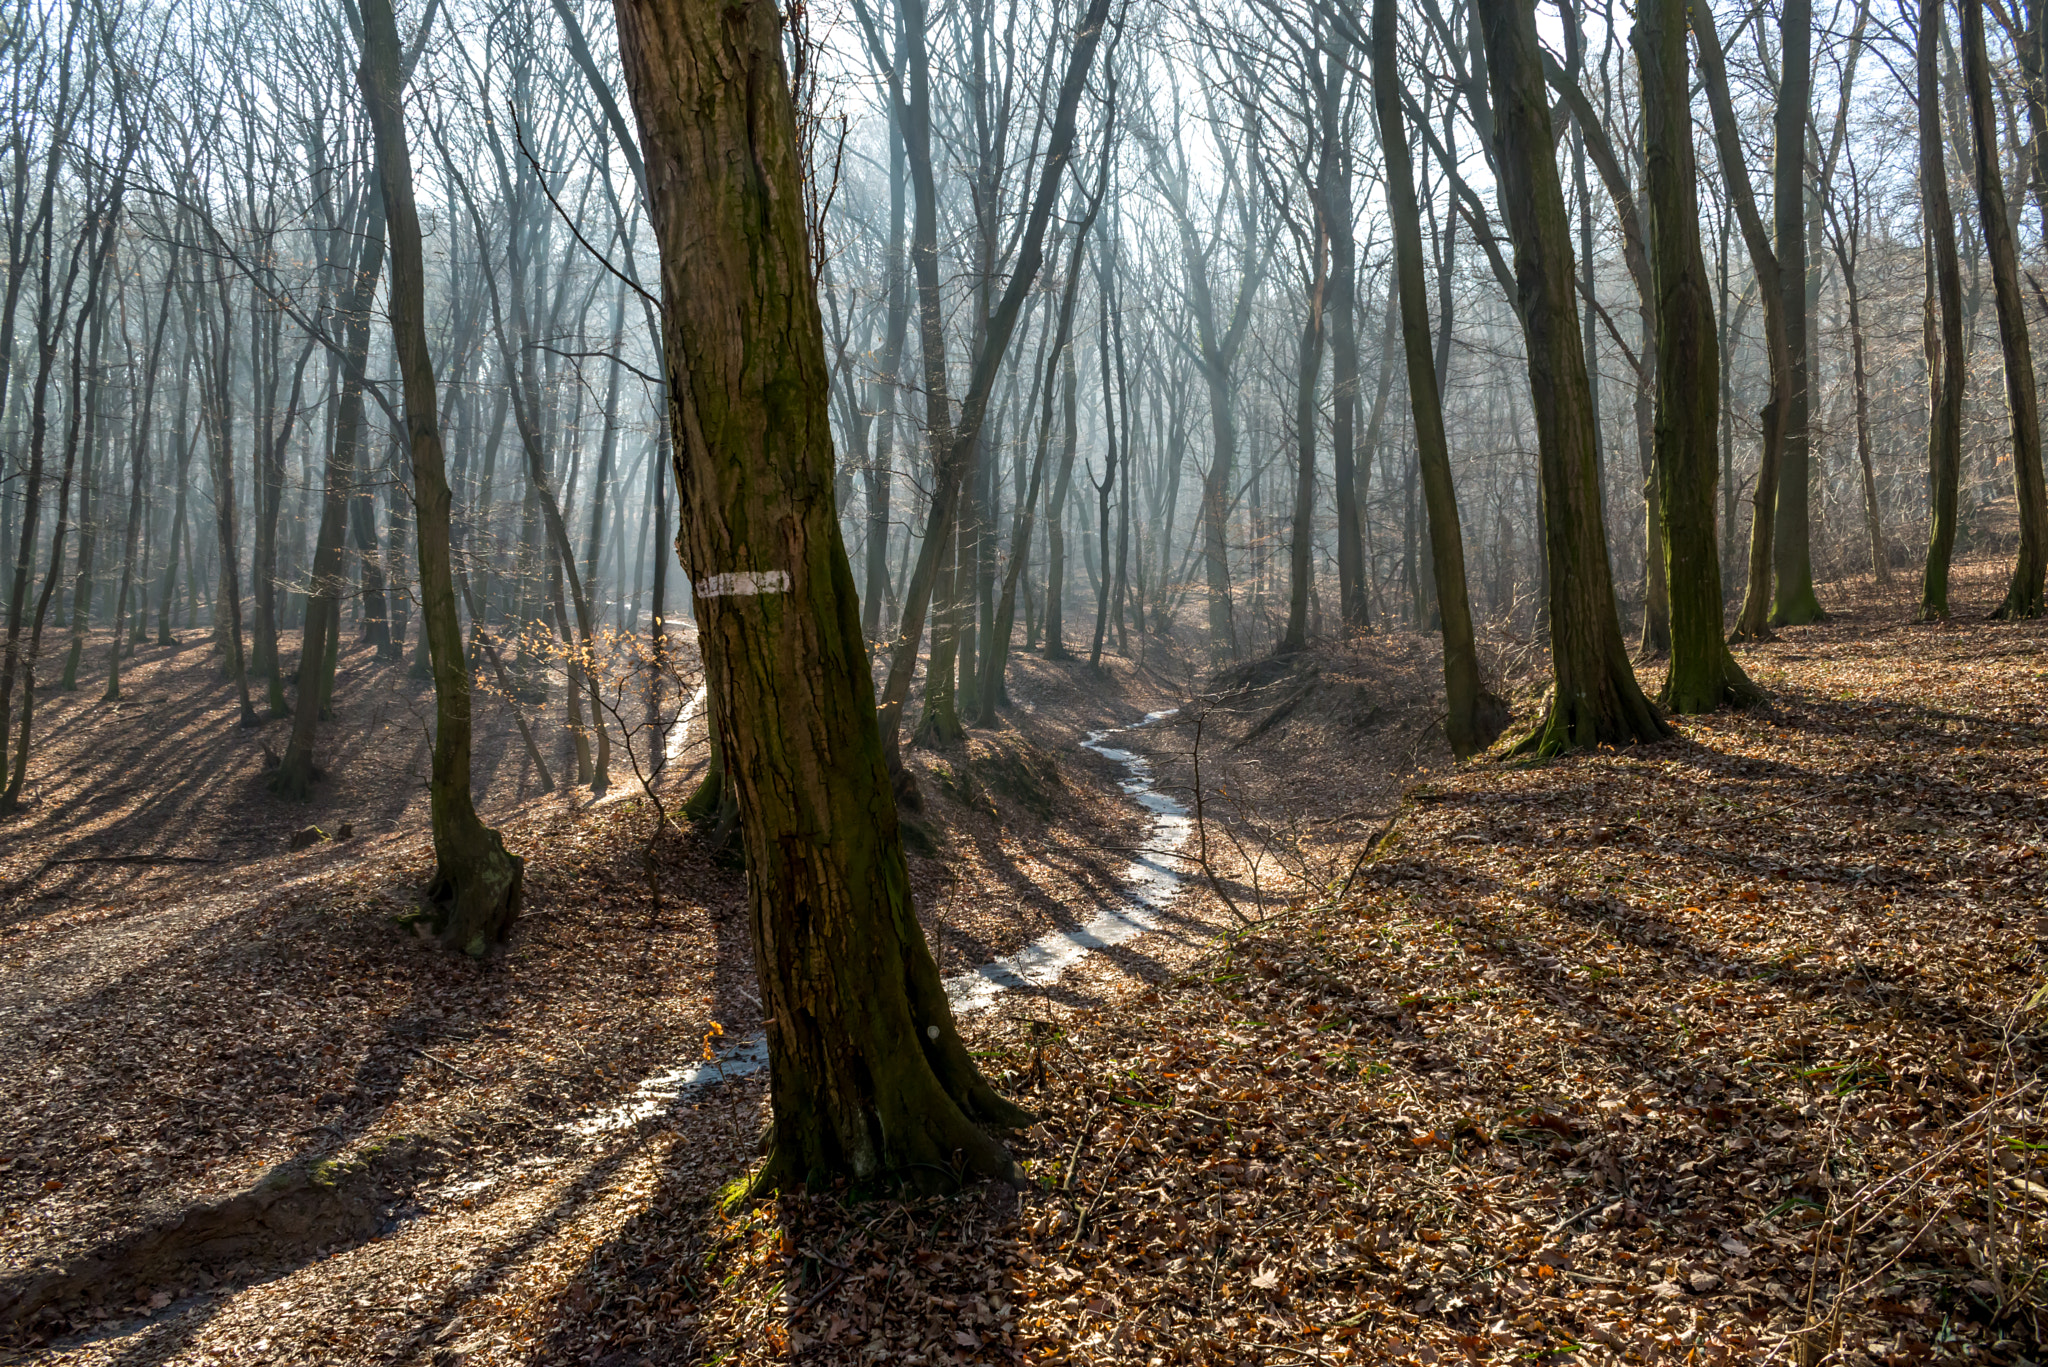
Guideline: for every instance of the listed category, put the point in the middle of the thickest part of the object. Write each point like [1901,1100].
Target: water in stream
[1149,883]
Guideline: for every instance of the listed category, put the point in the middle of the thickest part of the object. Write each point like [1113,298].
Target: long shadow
[234,1241]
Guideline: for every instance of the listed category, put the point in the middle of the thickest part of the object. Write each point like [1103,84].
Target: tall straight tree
[1703,673]
[869,1076]
[1472,717]
[475,892]
[1946,365]
[1753,622]
[2022,398]
[1595,699]
[1794,601]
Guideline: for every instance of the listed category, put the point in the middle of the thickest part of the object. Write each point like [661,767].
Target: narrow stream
[1148,884]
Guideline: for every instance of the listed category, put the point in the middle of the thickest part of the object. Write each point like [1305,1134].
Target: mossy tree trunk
[1472,718]
[1703,673]
[2022,399]
[869,1075]
[474,895]
[1946,367]
[1595,699]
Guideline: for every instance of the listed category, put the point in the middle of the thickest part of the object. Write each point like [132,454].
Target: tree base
[1578,725]
[936,1162]
[2019,606]
[472,906]
[939,728]
[903,786]
[1733,689]
[294,777]
[1801,609]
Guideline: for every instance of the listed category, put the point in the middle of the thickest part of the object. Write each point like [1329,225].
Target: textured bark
[1472,717]
[1947,367]
[1703,673]
[869,1077]
[2022,399]
[1595,699]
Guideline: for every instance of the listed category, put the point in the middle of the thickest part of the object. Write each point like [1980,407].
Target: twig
[1100,1191]
[459,1072]
[1087,1127]
[1366,853]
[1202,831]
[134,859]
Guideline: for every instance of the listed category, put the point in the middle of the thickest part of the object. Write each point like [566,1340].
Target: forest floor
[1715,1050]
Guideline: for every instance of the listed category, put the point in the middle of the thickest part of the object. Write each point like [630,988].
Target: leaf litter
[1721,1050]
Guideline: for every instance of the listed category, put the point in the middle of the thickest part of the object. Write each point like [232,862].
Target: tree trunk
[1056,510]
[1341,313]
[2022,400]
[1794,602]
[1595,699]
[90,509]
[1873,521]
[139,478]
[1023,519]
[1703,673]
[318,646]
[1753,621]
[1472,717]
[869,1077]
[475,891]
[953,443]
[1301,533]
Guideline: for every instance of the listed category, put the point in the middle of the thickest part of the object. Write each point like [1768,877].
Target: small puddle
[1149,884]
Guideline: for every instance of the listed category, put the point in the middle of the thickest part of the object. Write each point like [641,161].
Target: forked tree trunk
[1595,698]
[1301,534]
[2022,399]
[1946,366]
[474,895]
[1703,674]
[954,443]
[1334,180]
[1472,717]
[869,1076]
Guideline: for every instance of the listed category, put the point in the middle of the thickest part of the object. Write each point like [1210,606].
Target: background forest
[1194,420]
[708,681]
